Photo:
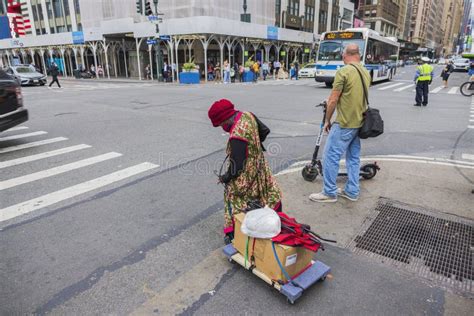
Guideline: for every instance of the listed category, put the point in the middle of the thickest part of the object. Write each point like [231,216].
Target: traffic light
[148,10]
[139,6]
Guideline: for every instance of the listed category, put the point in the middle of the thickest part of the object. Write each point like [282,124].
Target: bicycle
[467,88]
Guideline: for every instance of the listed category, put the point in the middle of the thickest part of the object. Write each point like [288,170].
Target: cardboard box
[293,259]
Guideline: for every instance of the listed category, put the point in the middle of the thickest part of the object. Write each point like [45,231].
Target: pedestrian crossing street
[25,146]
[67,86]
[394,86]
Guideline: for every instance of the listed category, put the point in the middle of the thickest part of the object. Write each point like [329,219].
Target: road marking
[32,144]
[403,88]
[73,191]
[391,86]
[453,90]
[467,156]
[18,161]
[18,128]
[470,126]
[436,90]
[56,170]
[22,135]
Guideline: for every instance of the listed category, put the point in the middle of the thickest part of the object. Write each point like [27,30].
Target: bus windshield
[332,50]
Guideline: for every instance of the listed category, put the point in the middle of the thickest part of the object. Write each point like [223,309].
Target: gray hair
[351,50]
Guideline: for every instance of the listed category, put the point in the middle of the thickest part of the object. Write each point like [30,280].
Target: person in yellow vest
[423,78]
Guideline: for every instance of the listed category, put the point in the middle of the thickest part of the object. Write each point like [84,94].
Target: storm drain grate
[437,246]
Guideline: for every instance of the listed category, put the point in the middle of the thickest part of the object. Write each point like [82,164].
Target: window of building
[294,7]
[309,13]
[347,15]
[107,8]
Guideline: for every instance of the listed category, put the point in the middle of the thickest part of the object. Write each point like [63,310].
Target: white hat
[261,223]
[425,59]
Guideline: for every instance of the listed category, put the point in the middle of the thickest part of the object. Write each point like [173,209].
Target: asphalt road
[97,236]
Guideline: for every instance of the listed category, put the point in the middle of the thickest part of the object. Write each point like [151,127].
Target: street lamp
[339,17]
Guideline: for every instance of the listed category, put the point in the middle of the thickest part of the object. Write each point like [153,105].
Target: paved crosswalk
[394,86]
[84,87]
[23,144]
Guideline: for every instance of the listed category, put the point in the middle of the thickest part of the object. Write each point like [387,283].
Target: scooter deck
[292,290]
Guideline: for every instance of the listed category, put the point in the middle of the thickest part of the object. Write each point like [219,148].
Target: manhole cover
[437,246]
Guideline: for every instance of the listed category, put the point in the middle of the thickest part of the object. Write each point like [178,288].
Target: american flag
[18,17]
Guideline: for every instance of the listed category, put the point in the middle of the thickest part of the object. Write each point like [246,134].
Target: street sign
[165,37]
[155,19]
[151,42]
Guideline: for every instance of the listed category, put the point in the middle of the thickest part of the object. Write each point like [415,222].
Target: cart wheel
[231,260]
[323,278]
[310,173]
[370,171]
[290,301]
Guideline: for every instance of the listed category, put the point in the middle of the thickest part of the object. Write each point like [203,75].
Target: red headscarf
[220,111]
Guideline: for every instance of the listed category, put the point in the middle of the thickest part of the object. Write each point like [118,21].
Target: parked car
[307,71]
[27,75]
[461,64]
[12,112]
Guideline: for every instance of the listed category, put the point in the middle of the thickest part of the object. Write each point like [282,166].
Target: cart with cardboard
[288,269]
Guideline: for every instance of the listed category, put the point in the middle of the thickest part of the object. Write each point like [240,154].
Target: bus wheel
[328,84]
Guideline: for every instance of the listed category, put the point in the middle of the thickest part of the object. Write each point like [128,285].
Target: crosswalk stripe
[453,90]
[22,135]
[467,157]
[403,88]
[32,144]
[383,84]
[73,191]
[436,90]
[56,170]
[17,128]
[18,161]
[391,86]
[470,126]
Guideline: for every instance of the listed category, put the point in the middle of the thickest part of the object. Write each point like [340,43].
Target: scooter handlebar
[322,104]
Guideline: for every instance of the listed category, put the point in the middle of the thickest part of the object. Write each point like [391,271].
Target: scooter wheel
[369,170]
[309,173]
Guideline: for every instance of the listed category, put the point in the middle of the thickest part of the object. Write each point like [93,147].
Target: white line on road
[403,88]
[32,144]
[73,191]
[467,156]
[18,128]
[453,90]
[470,126]
[56,170]
[22,135]
[391,86]
[18,161]
[436,90]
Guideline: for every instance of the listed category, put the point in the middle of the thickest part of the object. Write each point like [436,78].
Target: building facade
[381,15]
[402,17]
[451,25]
[82,33]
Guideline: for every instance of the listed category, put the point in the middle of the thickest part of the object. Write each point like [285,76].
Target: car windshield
[23,70]
[332,50]
[309,66]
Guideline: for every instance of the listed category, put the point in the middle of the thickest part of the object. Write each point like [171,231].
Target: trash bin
[77,74]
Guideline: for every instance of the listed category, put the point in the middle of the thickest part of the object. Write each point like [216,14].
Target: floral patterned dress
[256,181]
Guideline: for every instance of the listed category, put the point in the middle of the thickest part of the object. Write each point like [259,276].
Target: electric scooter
[311,171]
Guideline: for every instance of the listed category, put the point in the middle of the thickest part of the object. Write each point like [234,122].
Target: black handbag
[372,126]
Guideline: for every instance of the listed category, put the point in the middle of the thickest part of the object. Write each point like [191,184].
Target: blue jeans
[341,140]
[226,76]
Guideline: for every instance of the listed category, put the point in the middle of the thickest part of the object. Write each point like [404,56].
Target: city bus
[378,54]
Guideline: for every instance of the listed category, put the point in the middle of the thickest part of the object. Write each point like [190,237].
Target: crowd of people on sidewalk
[260,71]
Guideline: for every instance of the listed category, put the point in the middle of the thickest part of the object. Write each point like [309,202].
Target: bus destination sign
[343,35]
